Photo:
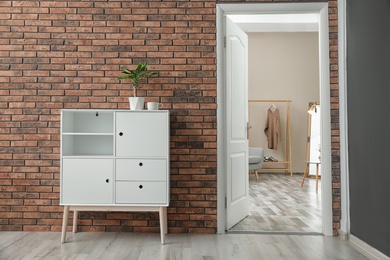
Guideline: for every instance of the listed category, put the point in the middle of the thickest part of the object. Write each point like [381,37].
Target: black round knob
[120,133]
[140,186]
[140,164]
[107,180]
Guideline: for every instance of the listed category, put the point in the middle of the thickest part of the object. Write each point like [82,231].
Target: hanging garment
[272,128]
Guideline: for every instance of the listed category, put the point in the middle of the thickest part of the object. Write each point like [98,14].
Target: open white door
[236,123]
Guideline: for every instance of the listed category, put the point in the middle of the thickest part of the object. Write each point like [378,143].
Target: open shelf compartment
[88,122]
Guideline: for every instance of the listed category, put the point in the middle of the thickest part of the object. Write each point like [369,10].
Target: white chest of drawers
[114,160]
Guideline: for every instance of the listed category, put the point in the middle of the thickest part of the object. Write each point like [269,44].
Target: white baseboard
[343,235]
[366,249]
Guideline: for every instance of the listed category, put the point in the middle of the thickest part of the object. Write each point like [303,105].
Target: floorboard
[278,203]
[107,245]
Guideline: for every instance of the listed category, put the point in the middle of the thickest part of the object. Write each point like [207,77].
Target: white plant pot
[136,103]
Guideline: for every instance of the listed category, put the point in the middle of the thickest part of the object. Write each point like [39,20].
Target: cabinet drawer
[141,192]
[140,169]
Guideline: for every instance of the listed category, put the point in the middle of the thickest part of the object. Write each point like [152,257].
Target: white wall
[283,66]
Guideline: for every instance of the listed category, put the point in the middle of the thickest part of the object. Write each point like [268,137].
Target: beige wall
[283,66]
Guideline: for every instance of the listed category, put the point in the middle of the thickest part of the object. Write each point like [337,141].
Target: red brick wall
[335,127]
[68,54]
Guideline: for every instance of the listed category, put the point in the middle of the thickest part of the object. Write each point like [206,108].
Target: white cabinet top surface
[116,110]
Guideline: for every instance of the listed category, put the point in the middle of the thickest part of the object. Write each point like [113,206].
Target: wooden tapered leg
[166,220]
[305,173]
[75,217]
[257,175]
[162,224]
[64,223]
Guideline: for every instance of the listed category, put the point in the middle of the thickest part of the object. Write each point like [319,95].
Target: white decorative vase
[136,103]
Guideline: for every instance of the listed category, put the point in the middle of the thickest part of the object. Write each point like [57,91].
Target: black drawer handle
[140,164]
[107,180]
[140,186]
[120,134]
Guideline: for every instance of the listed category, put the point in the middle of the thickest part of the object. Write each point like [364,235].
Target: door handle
[248,127]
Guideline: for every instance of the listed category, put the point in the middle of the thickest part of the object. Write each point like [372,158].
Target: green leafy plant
[136,75]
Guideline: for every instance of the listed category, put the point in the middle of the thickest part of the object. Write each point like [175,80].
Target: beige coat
[272,128]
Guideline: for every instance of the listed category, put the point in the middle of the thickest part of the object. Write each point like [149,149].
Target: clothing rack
[281,166]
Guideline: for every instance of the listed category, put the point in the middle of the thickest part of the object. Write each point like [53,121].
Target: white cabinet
[114,160]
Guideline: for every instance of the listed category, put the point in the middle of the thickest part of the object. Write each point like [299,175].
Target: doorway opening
[283,77]
[271,18]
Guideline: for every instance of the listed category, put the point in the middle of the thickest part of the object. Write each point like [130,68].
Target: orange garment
[272,128]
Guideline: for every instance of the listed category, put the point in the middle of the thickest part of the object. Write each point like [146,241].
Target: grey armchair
[256,158]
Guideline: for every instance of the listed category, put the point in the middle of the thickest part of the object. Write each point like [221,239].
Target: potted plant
[136,103]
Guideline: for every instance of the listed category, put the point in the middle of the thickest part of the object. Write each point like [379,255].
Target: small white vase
[136,103]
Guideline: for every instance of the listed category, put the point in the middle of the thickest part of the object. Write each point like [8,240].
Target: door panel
[87,181]
[141,134]
[238,97]
[236,123]
[238,180]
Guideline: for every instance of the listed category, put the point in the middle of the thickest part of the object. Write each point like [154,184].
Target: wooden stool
[317,163]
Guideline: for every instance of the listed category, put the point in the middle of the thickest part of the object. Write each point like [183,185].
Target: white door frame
[276,8]
[344,169]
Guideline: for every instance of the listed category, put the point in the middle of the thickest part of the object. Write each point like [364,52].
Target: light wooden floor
[106,245]
[278,203]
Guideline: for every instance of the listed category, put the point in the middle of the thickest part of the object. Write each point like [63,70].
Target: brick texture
[68,54]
